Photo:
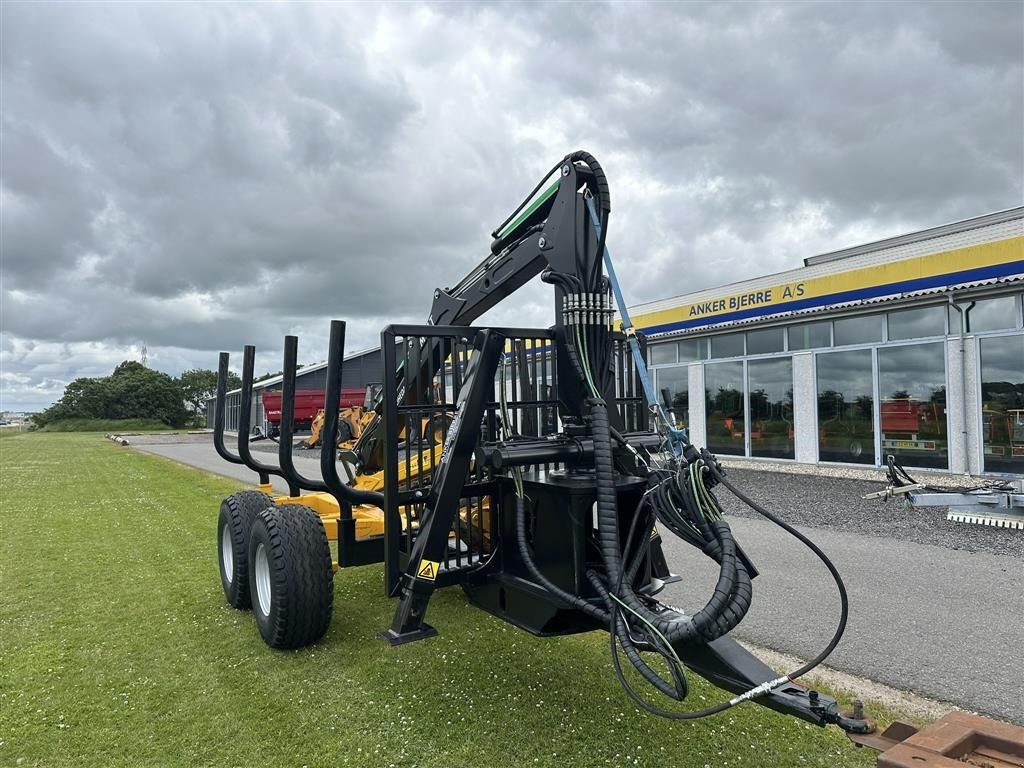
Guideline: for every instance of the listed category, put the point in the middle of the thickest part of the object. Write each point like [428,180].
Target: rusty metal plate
[955,741]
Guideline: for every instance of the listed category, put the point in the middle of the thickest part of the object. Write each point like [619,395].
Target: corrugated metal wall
[358,371]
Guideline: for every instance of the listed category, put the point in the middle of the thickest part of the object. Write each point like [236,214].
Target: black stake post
[345,495]
[350,550]
[428,551]
[244,425]
[218,417]
[284,442]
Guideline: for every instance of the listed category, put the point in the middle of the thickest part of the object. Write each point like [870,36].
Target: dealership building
[911,346]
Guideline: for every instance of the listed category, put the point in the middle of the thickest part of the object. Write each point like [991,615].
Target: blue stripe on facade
[904,286]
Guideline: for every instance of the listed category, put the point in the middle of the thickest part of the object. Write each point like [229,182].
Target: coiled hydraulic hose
[844,600]
[732,594]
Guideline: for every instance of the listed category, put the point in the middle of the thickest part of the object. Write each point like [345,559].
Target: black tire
[291,582]
[237,512]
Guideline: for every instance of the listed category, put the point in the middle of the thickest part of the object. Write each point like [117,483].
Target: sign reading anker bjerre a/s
[752,299]
[820,288]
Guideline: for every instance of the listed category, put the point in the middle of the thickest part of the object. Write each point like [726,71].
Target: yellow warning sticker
[428,570]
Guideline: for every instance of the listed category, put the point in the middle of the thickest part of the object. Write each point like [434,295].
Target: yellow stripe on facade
[930,265]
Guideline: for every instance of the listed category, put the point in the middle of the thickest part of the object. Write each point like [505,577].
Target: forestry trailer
[533,467]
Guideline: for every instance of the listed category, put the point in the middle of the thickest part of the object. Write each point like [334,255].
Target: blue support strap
[677,438]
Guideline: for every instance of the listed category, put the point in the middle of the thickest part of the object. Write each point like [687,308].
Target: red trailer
[307,403]
[911,424]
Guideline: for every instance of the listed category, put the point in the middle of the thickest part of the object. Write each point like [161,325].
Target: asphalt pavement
[942,623]
[935,610]
[200,453]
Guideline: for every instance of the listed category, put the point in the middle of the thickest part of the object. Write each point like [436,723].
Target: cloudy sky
[195,177]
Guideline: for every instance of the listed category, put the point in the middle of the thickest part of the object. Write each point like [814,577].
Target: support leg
[428,551]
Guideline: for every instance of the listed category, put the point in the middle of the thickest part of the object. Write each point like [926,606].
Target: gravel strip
[835,503]
[912,704]
[927,476]
[169,438]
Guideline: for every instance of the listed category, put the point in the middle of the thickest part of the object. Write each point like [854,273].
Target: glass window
[864,329]
[912,388]
[727,345]
[954,320]
[992,315]
[764,341]
[660,354]
[917,323]
[677,381]
[693,349]
[723,385]
[771,407]
[810,335]
[846,407]
[1002,403]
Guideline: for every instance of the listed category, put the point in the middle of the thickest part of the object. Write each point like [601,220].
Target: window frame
[979,425]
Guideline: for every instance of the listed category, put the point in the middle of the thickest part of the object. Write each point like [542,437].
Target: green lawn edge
[118,649]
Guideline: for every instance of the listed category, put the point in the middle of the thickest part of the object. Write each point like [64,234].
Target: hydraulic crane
[535,468]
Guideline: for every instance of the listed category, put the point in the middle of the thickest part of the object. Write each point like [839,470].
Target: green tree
[199,384]
[132,391]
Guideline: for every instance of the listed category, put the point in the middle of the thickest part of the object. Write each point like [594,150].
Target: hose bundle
[678,496]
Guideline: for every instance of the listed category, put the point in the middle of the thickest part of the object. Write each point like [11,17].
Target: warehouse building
[361,369]
[911,346]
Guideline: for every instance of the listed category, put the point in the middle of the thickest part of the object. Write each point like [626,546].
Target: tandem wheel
[291,581]
[237,512]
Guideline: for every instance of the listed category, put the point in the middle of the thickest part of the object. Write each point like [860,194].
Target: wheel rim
[262,579]
[227,553]
[856,449]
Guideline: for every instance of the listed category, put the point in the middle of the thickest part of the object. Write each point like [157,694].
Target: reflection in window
[1002,403]
[660,354]
[727,345]
[992,315]
[810,335]
[917,323]
[912,387]
[764,342]
[723,384]
[770,407]
[846,404]
[863,329]
[676,381]
[693,349]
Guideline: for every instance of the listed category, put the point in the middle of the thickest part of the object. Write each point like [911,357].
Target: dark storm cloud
[197,176]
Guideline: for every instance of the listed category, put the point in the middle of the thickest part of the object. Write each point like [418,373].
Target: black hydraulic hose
[562,280]
[666,713]
[599,179]
[571,600]
[616,625]
[844,599]
[605,200]
[619,626]
[705,624]
[527,199]
[618,629]
[766,687]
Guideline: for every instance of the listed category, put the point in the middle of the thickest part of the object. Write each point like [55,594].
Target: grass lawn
[118,649]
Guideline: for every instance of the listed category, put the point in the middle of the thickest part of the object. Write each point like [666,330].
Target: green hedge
[104,425]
